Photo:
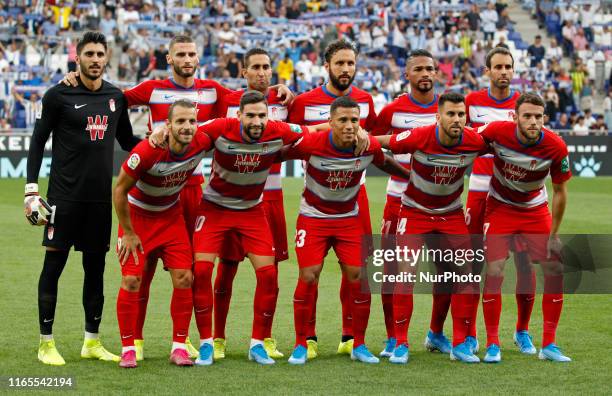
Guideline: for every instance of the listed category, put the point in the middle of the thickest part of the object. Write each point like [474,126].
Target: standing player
[525,154]
[85,122]
[258,72]
[329,218]
[146,200]
[497,103]
[245,149]
[409,111]
[431,204]
[313,107]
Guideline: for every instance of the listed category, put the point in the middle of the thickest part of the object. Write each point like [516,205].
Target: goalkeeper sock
[360,308]
[143,300]
[127,309]
[302,303]
[55,261]
[264,303]
[93,289]
[203,297]
[345,302]
[180,310]
[226,271]
[387,304]
[552,305]
[491,307]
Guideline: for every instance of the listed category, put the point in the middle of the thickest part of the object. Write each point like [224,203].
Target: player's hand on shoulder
[159,137]
[362,141]
[37,211]
[70,79]
[284,93]
[129,244]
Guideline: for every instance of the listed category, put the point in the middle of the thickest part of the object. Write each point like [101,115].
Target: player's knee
[352,273]
[495,268]
[131,283]
[182,279]
[310,274]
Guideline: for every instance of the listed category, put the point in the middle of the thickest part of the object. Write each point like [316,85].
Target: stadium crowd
[37,46]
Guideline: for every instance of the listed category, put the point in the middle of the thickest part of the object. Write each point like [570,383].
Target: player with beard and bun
[431,204]
[517,205]
[497,103]
[313,107]
[258,72]
[85,121]
[409,111]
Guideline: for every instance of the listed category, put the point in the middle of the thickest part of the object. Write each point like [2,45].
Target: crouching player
[329,218]
[525,153]
[151,226]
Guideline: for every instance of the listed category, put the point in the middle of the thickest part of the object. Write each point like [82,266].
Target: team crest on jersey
[533,164]
[357,164]
[338,180]
[511,115]
[96,126]
[402,136]
[462,160]
[264,148]
[274,112]
[246,163]
[133,161]
[111,104]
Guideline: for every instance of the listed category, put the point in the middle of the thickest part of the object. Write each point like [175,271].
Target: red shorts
[250,227]
[364,210]
[414,221]
[390,215]
[314,237]
[163,235]
[506,226]
[191,196]
[475,211]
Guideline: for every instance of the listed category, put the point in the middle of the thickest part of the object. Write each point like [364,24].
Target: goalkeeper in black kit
[85,121]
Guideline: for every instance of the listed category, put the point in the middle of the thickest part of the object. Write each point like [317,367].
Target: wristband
[31,189]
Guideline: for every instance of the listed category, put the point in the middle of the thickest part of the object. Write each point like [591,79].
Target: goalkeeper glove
[36,209]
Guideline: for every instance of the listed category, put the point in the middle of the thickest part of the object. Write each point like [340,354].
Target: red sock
[203,297]
[265,301]
[552,304]
[474,315]
[181,306]
[387,304]
[312,322]
[143,301]
[402,311]
[127,310]
[439,310]
[269,329]
[461,311]
[491,307]
[345,302]
[525,297]
[360,309]
[226,271]
[302,303]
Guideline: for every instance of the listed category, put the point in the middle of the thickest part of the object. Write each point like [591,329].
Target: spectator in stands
[568,32]
[466,78]
[304,66]
[489,20]
[473,18]
[579,41]
[563,123]
[573,118]
[607,108]
[32,107]
[587,16]
[379,98]
[551,99]
[294,10]
[234,66]
[536,51]
[586,96]
[554,51]
[569,13]
[478,56]
[599,125]
[285,70]
[580,128]
[578,74]
[589,120]
[161,63]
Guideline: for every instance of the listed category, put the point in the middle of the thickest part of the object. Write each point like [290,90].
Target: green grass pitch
[584,331]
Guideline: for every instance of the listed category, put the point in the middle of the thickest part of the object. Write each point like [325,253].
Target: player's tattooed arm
[392,167]
[284,93]
[559,202]
[70,79]
[130,243]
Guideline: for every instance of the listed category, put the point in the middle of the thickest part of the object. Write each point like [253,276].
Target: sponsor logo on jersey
[111,104]
[565,165]
[174,179]
[133,161]
[339,179]
[97,127]
[246,163]
[513,172]
[444,174]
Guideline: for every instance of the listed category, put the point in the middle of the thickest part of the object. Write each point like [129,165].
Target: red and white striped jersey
[160,94]
[520,171]
[229,106]
[436,178]
[332,175]
[482,109]
[160,174]
[402,114]
[240,168]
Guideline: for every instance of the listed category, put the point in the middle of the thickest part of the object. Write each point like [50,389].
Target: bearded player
[517,205]
[313,107]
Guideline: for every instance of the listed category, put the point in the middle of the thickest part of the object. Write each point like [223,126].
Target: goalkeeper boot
[362,354]
[270,346]
[522,339]
[400,354]
[493,354]
[48,354]
[258,353]
[552,352]
[205,357]
[219,348]
[463,353]
[345,347]
[437,342]
[193,352]
[389,347]
[93,349]
[139,345]
[298,356]
[313,349]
